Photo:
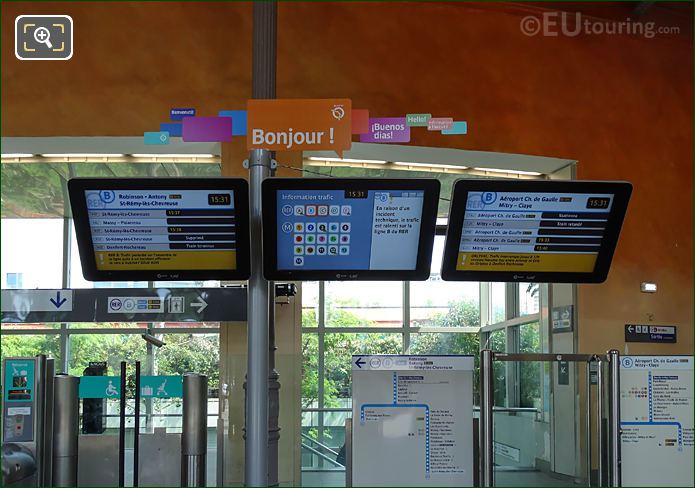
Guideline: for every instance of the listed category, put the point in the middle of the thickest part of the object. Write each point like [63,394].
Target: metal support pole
[348,452]
[194,438]
[66,429]
[47,422]
[486,403]
[614,418]
[121,428]
[588,423]
[601,480]
[263,86]
[136,428]
[273,395]
[40,416]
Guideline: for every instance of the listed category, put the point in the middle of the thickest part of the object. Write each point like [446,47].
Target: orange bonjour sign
[300,124]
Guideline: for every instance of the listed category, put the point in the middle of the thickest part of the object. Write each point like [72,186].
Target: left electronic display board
[145,229]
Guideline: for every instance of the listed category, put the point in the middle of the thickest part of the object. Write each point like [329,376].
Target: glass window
[498,308]
[32,248]
[529,298]
[530,372]
[310,370]
[14,280]
[444,343]
[310,304]
[497,341]
[450,343]
[364,304]
[112,348]
[77,279]
[339,348]
[31,345]
[189,353]
[437,303]
[33,191]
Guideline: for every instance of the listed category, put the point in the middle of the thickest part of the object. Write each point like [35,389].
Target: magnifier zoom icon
[43,36]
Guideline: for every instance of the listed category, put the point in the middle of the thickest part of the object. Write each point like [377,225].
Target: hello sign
[300,124]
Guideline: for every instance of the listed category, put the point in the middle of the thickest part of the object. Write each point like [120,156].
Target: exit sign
[650,333]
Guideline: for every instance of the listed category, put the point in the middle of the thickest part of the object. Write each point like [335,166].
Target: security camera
[153,340]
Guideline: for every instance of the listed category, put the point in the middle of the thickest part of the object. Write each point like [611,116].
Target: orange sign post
[300,124]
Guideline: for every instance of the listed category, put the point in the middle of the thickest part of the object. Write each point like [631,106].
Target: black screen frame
[78,202]
[421,272]
[621,189]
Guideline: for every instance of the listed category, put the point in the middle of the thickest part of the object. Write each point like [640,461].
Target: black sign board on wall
[650,333]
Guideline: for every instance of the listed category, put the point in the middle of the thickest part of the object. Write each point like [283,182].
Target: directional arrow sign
[360,362]
[23,302]
[57,301]
[200,305]
[630,329]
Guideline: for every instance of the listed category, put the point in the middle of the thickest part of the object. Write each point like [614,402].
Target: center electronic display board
[533,230]
[348,229]
[161,228]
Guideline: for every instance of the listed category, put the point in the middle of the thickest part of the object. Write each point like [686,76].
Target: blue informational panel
[19,400]
[342,229]
[19,380]
[656,413]
[161,387]
[100,387]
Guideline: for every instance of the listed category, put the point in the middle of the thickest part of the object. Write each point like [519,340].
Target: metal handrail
[547,357]
[323,446]
[511,409]
[321,455]
[475,407]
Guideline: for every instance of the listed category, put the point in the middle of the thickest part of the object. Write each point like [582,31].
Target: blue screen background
[360,234]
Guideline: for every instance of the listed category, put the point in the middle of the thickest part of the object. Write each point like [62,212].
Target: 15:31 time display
[356,193]
[598,202]
[219,199]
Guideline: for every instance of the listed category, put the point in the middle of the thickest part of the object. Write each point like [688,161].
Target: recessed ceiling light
[153,155]
[16,155]
[431,165]
[510,171]
[83,155]
[347,160]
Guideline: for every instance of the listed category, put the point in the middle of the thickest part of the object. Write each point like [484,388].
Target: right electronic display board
[533,230]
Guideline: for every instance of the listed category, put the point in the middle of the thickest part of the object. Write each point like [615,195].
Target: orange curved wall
[620,105]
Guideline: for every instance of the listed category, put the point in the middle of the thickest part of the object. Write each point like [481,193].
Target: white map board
[412,421]
[656,410]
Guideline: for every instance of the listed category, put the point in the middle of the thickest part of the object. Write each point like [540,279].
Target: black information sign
[563,373]
[563,318]
[650,333]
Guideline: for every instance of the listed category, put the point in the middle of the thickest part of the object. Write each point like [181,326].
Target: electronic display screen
[165,231]
[532,235]
[349,232]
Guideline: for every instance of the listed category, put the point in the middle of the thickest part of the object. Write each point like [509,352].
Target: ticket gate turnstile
[41,443]
[27,420]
